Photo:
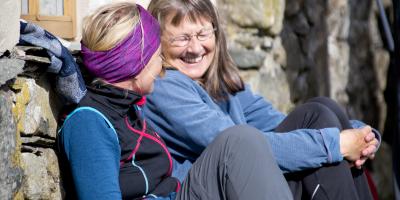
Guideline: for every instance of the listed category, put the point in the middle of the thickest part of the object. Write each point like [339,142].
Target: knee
[322,115]
[241,132]
[245,137]
[315,109]
[323,100]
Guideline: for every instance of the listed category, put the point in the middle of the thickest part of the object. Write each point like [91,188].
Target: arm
[295,150]
[188,120]
[259,112]
[184,115]
[93,152]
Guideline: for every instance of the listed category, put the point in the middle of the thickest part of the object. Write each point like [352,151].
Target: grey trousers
[238,164]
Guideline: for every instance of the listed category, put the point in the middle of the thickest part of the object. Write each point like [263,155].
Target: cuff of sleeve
[378,137]
[331,140]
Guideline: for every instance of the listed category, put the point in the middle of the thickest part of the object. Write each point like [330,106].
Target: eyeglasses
[183,40]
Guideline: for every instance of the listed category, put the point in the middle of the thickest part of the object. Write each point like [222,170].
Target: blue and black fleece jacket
[109,152]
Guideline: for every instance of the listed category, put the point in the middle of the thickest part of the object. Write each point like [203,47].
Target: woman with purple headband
[109,152]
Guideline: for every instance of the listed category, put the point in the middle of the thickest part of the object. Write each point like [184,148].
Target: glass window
[51,7]
[24,7]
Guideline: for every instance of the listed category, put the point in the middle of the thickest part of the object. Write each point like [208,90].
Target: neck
[128,84]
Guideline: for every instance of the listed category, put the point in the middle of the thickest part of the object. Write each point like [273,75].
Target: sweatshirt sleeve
[178,112]
[92,149]
[295,150]
[188,120]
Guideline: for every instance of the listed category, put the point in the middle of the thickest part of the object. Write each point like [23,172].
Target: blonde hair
[109,25]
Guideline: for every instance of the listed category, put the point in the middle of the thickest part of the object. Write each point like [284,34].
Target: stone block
[38,107]
[42,176]
[9,25]
[10,68]
[246,58]
[263,14]
[10,171]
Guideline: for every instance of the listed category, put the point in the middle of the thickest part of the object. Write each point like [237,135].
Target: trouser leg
[238,164]
[335,108]
[329,182]
[359,177]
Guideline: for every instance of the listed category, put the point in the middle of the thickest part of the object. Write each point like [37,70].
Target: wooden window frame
[62,26]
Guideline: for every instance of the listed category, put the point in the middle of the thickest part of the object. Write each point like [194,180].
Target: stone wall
[29,110]
[287,51]
[253,29]
[334,49]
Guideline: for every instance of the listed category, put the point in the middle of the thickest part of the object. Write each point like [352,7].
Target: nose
[194,46]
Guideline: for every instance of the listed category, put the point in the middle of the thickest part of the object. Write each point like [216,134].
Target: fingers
[374,142]
[366,129]
[358,143]
[371,149]
[369,137]
[372,156]
[358,163]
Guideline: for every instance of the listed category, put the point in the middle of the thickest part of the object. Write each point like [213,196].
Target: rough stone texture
[263,14]
[40,115]
[9,25]
[10,171]
[339,55]
[10,68]
[334,48]
[383,177]
[304,37]
[363,81]
[42,175]
[247,59]
[29,108]
[36,109]
[338,23]
[252,33]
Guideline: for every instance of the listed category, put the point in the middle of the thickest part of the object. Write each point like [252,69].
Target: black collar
[114,98]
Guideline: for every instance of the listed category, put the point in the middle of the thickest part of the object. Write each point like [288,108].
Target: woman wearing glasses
[109,152]
[202,94]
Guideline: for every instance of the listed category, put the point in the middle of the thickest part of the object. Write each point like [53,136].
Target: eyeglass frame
[188,37]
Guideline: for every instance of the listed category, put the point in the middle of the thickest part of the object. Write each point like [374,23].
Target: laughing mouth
[192,60]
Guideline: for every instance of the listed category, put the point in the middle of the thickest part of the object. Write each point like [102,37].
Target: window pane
[51,7]
[24,7]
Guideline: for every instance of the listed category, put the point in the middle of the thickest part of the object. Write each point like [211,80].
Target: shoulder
[84,116]
[174,76]
[246,93]
[84,129]
[175,82]
[86,122]
[175,88]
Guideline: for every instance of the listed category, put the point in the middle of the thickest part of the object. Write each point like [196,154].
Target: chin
[194,72]
[194,75]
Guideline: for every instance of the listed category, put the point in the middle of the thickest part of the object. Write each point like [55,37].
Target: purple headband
[129,57]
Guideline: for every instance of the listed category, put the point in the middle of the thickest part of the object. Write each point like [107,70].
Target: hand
[369,152]
[355,143]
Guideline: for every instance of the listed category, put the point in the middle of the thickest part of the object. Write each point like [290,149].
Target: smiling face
[194,58]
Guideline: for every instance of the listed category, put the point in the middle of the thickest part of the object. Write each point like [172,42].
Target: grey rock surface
[9,25]
[10,68]
[10,171]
